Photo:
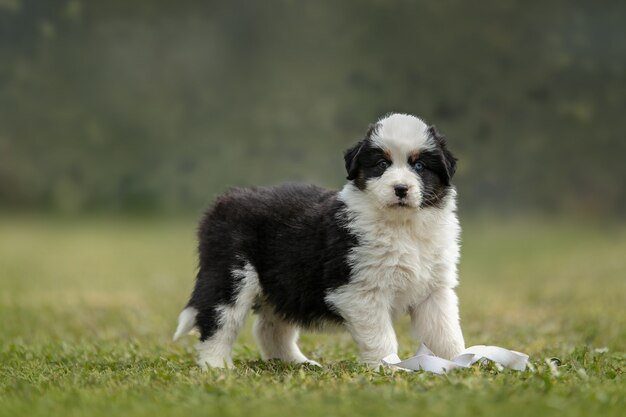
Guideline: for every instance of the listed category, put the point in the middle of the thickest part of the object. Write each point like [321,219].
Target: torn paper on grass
[425,360]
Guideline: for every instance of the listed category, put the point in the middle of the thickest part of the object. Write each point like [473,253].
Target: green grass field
[87,310]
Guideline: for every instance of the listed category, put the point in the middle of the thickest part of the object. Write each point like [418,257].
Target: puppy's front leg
[368,319]
[435,322]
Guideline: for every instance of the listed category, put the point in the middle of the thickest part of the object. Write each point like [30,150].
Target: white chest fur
[403,254]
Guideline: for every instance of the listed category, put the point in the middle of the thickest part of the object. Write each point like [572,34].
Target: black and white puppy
[304,257]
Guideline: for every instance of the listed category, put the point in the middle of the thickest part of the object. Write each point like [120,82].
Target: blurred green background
[121,120]
[157,106]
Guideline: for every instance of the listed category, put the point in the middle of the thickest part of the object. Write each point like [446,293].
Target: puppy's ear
[350,156]
[449,161]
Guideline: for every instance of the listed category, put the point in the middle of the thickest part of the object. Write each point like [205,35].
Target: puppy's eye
[419,166]
[382,164]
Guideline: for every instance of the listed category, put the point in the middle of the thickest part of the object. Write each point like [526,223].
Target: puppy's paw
[449,350]
[312,363]
[373,364]
[216,363]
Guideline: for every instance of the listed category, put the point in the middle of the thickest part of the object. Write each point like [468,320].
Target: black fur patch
[440,168]
[352,156]
[448,160]
[366,160]
[433,179]
[291,234]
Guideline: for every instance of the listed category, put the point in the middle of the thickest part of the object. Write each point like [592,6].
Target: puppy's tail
[186,322]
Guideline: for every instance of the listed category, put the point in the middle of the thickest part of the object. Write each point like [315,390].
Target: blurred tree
[156,105]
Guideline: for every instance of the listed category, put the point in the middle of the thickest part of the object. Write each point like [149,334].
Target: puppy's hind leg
[220,323]
[276,338]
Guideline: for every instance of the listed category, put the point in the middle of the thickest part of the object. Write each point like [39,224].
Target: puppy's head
[401,163]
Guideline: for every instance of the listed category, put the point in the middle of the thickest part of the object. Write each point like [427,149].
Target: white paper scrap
[425,359]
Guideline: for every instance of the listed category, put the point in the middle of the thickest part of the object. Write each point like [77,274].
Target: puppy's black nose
[401,190]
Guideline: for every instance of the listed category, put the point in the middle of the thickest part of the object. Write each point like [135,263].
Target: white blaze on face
[401,136]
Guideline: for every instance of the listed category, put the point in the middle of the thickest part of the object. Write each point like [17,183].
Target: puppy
[304,257]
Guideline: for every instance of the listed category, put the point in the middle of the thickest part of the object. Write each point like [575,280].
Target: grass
[87,310]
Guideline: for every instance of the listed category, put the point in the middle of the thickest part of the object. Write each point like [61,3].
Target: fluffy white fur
[402,134]
[406,258]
